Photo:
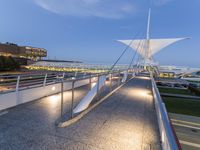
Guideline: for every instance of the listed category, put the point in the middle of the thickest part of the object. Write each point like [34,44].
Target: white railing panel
[15,98]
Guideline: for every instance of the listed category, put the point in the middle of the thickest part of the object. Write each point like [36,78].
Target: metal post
[17,84]
[98,86]
[61,99]
[45,80]
[111,81]
[127,76]
[63,75]
[72,103]
[90,82]
[75,74]
[84,75]
[119,78]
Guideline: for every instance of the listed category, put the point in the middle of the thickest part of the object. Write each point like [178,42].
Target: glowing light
[54,97]
[54,100]
[93,84]
[107,82]
[53,88]
[94,79]
[140,92]
[146,78]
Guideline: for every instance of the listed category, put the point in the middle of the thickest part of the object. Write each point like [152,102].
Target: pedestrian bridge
[132,117]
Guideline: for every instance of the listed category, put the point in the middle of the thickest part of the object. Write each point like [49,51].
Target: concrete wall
[11,99]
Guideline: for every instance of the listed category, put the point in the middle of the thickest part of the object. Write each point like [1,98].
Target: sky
[88,30]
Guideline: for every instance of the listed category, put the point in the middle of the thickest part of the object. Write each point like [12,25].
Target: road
[188,131]
[125,120]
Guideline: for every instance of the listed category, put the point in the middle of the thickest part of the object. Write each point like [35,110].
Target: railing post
[119,78]
[62,98]
[111,81]
[45,80]
[17,84]
[63,75]
[90,82]
[133,74]
[72,102]
[75,74]
[98,86]
[127,76]
[84,74]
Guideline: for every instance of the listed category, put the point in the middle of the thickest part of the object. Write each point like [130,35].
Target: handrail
[93,93]
[37,80]
[168,136]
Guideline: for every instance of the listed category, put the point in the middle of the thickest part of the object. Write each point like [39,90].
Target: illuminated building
[26,52]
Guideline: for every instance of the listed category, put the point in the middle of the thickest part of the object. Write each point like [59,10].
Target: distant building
[23,52]
[57,63]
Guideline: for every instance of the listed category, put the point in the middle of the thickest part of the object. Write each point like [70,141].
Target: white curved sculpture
[85,102]
[146,48]
[133,74]
[125,76]
[155,45]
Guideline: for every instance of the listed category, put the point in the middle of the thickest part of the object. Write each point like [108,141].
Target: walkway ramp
[124,121]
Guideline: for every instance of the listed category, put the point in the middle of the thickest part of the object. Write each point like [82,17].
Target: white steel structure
[148,47]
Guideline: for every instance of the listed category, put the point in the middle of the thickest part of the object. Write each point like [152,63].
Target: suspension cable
[142,45]
[126,48]
[136,50]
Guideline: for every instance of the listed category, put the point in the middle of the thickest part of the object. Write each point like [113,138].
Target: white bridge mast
[147,49]
[151,46]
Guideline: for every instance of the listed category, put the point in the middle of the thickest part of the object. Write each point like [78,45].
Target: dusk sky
[87,30]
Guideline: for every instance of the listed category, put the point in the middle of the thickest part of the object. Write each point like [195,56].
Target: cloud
[113,9]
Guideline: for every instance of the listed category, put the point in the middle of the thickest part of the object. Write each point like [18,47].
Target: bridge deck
[126,120]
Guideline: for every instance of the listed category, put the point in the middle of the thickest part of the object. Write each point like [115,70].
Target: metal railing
[113,80]
[168,136]
[11,83]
